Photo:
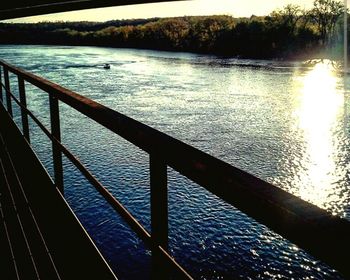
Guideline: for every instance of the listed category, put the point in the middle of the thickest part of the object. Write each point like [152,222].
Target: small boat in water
[107,66]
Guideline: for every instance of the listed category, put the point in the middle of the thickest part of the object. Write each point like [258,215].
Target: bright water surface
[287,123]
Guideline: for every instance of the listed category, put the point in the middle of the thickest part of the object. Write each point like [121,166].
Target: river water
[287,123]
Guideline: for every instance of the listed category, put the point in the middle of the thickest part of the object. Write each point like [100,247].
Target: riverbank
[254,37]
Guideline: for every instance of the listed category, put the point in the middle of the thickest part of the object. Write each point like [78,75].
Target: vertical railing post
[56,152]
[1,98]
[7,90]
[23,100]
[159,213]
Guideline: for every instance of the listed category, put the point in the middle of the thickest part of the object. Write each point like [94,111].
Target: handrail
[323,235]
[165,258]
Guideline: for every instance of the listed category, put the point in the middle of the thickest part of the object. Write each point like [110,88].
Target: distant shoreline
[224,36]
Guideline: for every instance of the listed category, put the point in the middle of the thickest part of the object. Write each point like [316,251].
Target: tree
[325,14]
[288,17]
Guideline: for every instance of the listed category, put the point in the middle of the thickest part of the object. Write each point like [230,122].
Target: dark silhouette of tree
[325,14]
[288,17]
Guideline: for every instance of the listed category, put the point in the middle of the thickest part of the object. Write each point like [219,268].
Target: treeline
[290,32]
[78,26]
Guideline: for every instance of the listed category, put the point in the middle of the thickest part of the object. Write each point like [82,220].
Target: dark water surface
[287,123]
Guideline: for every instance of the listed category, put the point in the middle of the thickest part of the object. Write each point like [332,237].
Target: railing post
[1,98]
[159,213]
[7,90]
[23,100]
[56,152]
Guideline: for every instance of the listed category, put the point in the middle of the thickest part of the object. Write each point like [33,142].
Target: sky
[237,8]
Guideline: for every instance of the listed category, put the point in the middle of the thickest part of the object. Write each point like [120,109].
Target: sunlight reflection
[319,110]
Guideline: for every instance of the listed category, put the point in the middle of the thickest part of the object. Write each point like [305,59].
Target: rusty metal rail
[311,228]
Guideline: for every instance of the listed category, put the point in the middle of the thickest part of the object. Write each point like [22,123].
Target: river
[285,122]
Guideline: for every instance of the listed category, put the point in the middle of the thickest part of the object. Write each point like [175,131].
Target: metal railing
[311,228]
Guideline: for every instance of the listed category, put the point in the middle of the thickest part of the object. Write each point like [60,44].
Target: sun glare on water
[320,107]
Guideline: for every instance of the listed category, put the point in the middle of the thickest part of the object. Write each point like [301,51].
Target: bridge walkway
[40,237]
